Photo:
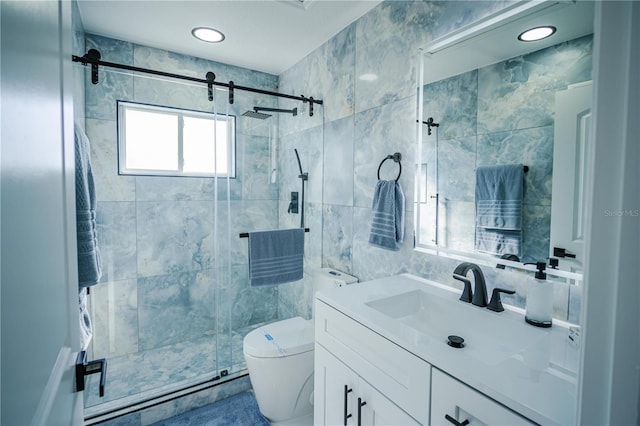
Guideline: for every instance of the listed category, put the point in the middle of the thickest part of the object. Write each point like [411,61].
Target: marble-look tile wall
[174,267]
[501,114]
[366,75]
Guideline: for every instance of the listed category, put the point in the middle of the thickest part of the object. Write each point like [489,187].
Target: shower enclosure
[174,301]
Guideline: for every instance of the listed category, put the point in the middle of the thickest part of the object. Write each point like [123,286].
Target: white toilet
[279,358]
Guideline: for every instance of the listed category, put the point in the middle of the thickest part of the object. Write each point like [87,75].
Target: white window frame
[123,106]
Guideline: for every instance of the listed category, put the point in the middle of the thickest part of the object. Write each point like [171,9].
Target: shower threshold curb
[154,400]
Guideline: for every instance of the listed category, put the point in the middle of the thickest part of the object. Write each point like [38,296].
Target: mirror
[486,101]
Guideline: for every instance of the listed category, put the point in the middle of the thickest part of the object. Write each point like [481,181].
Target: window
[154,140]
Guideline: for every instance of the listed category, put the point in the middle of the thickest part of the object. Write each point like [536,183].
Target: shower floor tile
[144,375]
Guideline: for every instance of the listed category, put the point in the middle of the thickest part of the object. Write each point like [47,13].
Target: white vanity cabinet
[390,385]
[454,403]
[344,398]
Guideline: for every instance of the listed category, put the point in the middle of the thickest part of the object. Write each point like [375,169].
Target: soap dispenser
[539,298]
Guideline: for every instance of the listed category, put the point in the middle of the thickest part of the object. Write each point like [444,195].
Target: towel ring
[395,157]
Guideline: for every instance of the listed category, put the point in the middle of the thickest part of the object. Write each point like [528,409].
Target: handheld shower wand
[304,177]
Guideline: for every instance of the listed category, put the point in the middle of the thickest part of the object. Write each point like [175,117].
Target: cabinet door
[335,390]
[377,410]
[453,403]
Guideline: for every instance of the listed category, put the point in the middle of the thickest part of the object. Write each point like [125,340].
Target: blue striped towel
[387,216]
[499,194]
[276,257]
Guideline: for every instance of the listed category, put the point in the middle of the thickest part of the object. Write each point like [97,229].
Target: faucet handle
[496,304]
[467,294]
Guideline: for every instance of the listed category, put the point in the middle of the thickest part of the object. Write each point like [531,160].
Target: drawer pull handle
[361,404]
[346,416]
[455,422]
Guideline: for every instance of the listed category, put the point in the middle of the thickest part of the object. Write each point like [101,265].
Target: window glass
[154,140]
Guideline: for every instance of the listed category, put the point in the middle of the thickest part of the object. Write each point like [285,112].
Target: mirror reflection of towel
[499,195]
[387,215]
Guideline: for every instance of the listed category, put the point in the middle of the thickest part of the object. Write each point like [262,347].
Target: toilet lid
[279,339]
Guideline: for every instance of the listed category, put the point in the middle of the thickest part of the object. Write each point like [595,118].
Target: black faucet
[478,296]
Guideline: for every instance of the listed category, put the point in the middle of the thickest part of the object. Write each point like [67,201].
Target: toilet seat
[280,339]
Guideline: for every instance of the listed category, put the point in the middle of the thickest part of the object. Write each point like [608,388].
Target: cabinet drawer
[399,375]
[449,397]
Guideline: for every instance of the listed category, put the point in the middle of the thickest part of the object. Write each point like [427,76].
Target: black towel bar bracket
[396,157]
[246,234]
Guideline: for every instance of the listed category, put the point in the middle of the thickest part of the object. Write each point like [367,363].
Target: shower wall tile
[100,99]
[114,311]
[338,162]
[380,132]
[336,74]
[453,104]
[116,225]
[174,236]
[296,298]
[246,216]
[161,188]
[175,308]
[242,305]
[110,186]
[530,82]
[255,169]
[386,49]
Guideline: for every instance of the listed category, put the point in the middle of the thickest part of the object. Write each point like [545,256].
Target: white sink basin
[487,336]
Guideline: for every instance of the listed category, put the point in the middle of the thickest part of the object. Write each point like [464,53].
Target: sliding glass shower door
[174,302]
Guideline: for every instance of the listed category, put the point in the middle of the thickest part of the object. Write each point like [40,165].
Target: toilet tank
[326,278]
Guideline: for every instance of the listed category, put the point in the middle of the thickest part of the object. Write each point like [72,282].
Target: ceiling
[264,35]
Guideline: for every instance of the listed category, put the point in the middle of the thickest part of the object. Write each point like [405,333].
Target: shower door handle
[84,368]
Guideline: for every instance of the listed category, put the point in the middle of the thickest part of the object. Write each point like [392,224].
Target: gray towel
[387,216]
[499,193]
[89,264]
[276,257]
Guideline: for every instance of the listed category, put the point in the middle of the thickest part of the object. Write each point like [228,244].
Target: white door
[38,251]
[570,158]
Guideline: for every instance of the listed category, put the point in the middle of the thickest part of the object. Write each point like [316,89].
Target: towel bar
[246,234]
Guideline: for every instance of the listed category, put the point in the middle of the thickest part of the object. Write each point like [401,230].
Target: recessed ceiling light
[207,34]
[537,33]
